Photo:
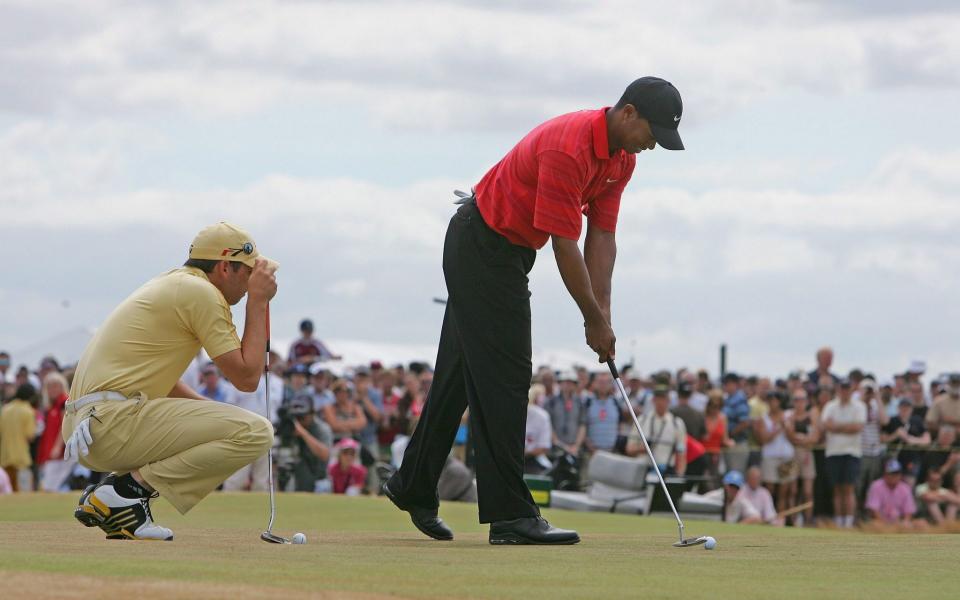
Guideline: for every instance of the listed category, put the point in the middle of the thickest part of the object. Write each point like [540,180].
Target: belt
[75,405]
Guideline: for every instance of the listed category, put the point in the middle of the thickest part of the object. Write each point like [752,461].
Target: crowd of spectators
[810,448]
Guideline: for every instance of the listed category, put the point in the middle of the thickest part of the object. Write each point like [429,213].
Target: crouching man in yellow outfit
[130,415]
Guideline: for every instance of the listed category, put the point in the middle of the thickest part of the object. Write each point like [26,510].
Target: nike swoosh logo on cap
[675,119]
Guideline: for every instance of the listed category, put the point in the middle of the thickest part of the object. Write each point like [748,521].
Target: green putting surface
[365,548]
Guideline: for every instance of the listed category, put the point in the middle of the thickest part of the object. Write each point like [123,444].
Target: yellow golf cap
[224,241]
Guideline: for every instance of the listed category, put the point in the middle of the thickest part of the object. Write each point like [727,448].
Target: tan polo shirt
[148,341]
[18,425]
[944,407]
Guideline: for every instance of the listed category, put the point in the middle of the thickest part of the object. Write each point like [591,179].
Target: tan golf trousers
[183,448]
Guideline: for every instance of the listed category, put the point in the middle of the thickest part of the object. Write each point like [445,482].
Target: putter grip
[613,368]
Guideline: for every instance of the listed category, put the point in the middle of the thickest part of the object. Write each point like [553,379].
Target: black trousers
[484,361]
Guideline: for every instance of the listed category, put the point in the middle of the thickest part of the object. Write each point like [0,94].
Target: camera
[286,454]
[299,406]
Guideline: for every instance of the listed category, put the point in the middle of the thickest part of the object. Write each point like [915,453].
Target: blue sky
[816,202]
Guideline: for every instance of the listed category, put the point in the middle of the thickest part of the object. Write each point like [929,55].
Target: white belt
[75,405]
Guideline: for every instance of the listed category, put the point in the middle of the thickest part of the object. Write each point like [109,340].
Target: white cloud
[347,288]
[442,64]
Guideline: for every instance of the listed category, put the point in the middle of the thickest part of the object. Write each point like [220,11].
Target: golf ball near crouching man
[130,415]
[572,166]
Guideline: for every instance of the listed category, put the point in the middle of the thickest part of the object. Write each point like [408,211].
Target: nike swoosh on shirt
[612,180]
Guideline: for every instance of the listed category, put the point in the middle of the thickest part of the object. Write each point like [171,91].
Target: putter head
[691,542]
[273,539]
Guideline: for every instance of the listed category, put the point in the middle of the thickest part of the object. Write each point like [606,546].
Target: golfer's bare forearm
[254,343]
[599,255]
[576,278]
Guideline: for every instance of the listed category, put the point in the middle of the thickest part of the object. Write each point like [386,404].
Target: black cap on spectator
[300,405]
[25,392]
[731,377]
[306,325]
[685,390]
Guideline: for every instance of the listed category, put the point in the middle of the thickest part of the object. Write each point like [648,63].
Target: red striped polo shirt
[559,172]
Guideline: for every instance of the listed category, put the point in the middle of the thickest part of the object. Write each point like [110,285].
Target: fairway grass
[363,548]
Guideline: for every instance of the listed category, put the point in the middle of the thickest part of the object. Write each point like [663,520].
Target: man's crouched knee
[261,434]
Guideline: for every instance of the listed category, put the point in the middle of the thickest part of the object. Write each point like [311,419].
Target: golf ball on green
[299,538]
[710,544]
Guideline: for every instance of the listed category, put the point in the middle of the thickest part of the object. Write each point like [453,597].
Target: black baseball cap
[659,103]
[306,325]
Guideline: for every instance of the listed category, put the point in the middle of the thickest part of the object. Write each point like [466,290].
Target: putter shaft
[653,461]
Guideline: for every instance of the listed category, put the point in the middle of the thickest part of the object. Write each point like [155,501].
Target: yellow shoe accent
[102,508]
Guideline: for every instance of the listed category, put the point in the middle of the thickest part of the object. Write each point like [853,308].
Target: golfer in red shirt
[573,165]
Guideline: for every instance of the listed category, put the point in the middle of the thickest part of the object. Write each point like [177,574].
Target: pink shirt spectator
[343,480]
[761,500]
[892,505]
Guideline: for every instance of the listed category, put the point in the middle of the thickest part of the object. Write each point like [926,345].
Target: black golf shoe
[530,530]
[424,519]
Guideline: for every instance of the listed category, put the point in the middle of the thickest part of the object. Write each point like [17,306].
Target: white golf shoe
[121,518]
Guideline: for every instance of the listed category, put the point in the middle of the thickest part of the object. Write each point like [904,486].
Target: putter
[268,535]
[683,542]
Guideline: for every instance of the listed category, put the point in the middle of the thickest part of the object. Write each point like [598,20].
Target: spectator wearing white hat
[914,374]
